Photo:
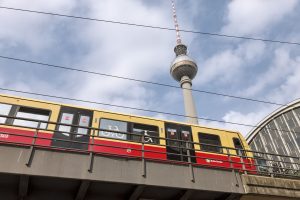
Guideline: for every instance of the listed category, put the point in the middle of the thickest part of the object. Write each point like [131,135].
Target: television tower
[184,69]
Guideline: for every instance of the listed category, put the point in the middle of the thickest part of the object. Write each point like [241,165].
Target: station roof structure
[279,132]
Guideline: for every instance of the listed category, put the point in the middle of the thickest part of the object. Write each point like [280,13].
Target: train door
[176,147]
[68,136]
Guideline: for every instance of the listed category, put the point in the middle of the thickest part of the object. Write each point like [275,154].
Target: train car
[45,124]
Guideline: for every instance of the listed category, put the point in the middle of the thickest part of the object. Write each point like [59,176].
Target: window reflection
[32,113]
[148,131]
[210,143]
[83,121]
[173,136]
[115,126]
[239,147]
[4,110]
[66,118]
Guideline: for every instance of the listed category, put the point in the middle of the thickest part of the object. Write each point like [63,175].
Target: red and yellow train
[69,127]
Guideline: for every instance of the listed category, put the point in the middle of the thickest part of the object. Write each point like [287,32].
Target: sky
[246,68]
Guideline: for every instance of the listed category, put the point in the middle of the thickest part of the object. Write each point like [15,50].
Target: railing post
[270,163]
[31,150]
[229,158]
[243,164]
[232,168]
[282,166]
[143,155]
[190,162]
[297,171]
[91,156]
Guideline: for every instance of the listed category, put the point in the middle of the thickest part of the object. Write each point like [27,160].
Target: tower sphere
[183,65]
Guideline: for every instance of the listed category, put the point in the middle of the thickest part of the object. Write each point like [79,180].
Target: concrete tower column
[189,104]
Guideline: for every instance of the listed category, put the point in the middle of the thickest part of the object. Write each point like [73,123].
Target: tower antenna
[178,38]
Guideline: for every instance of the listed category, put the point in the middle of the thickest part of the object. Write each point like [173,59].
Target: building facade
[279,133]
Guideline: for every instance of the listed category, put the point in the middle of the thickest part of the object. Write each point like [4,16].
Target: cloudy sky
[251,69]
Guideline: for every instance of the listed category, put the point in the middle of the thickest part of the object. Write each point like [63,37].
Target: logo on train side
[213,161]
[4,135]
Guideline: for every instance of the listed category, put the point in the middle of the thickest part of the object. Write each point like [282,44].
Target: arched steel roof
[290,106]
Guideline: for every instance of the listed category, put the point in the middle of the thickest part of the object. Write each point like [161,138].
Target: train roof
[106,111]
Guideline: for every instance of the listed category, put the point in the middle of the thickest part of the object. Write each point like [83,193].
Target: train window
[114,125]
[32,113]
[66,118]
[173,137]
[238,146]
[4,110]
[83,121]
[148,130]
[186,136]
[207,140]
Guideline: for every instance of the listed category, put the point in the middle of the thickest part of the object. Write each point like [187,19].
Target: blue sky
[253,69]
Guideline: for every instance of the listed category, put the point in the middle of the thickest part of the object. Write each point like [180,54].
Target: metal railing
[186,152]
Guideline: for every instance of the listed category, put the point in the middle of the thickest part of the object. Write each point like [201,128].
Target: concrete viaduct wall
[65,175]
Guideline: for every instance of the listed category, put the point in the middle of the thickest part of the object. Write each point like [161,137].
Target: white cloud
[279,70]
[125,51]
[221,67]
[244,121]
[277,79]
[253,17]
[282,80]
[225,66]
[288,90]
[107,48]
[31,30]
[251,51]
[251,118]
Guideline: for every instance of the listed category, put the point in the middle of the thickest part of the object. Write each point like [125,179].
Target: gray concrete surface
[64,175]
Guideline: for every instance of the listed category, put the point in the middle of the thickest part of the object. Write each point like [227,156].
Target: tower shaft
[189,104]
